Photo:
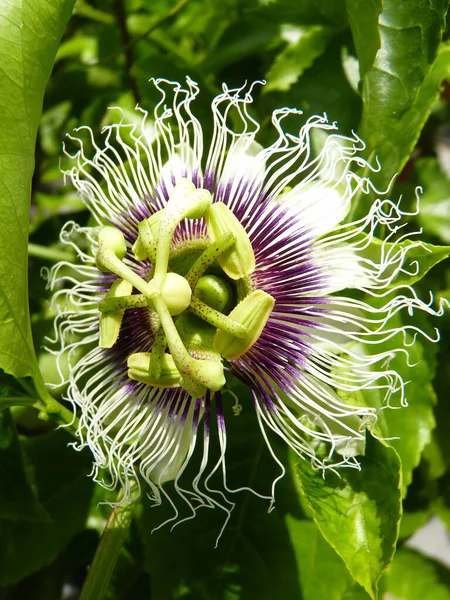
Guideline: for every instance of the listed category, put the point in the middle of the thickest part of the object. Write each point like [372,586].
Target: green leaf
[305,44]
[60,476]
[415,577]
[409,428]
[434,212]
[363,19]
[322,573]
[400,88]
[358,512]
[419,259]
[30,31]
[17,498]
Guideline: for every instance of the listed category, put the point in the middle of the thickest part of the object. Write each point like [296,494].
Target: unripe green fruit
[216,292]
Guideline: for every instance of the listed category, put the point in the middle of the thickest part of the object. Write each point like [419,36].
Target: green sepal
[139,370]
[239,260]
[252,312]
[111,321]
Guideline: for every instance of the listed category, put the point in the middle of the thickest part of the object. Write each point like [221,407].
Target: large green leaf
[17,498]
[415,577]
[322,573]
[401,86]
[408,429]
[60,476]
[30,31]
[358,512]
[434,212]
[363,20]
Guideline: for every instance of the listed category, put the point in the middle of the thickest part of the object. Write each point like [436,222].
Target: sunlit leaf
[415,577]
[434,212]
[304,45]
[358,512]
[30,31]
[403,83]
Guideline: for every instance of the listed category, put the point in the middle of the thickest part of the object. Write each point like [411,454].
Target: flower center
[204,313]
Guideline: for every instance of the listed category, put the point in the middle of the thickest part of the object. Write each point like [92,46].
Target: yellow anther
[139,370]
[111,321]
[239,259]
[252,312]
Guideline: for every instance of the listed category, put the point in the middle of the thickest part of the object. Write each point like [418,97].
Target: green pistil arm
[122,303]
[185,202]
[108,261]
[157,354]
[208,257]
[197,375]
[216,318]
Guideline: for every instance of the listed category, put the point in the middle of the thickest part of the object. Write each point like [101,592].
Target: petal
[319,207]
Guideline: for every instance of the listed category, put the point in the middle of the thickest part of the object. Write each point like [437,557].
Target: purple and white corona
[227,261]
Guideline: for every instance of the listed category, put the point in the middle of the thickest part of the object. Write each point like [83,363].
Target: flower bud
[252,312]
[111,321]
[239,259]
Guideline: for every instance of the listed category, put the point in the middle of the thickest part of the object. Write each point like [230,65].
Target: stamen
[157,354]
[109,258]
[239,260]
[197,375]
[111,321]
[145,245]
[253,313]
[139,370]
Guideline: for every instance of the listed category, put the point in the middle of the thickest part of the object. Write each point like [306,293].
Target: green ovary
[201,312]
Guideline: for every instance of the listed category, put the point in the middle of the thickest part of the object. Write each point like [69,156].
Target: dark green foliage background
[327,539]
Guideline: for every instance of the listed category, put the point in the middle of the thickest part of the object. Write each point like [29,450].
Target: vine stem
[50,408]
[108,550]
[47,253]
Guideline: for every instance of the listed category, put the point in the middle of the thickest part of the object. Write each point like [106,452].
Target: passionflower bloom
[236,261]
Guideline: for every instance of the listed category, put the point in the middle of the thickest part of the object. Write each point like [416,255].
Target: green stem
[108,550]
[54,410]
[11,401]
[48,253]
